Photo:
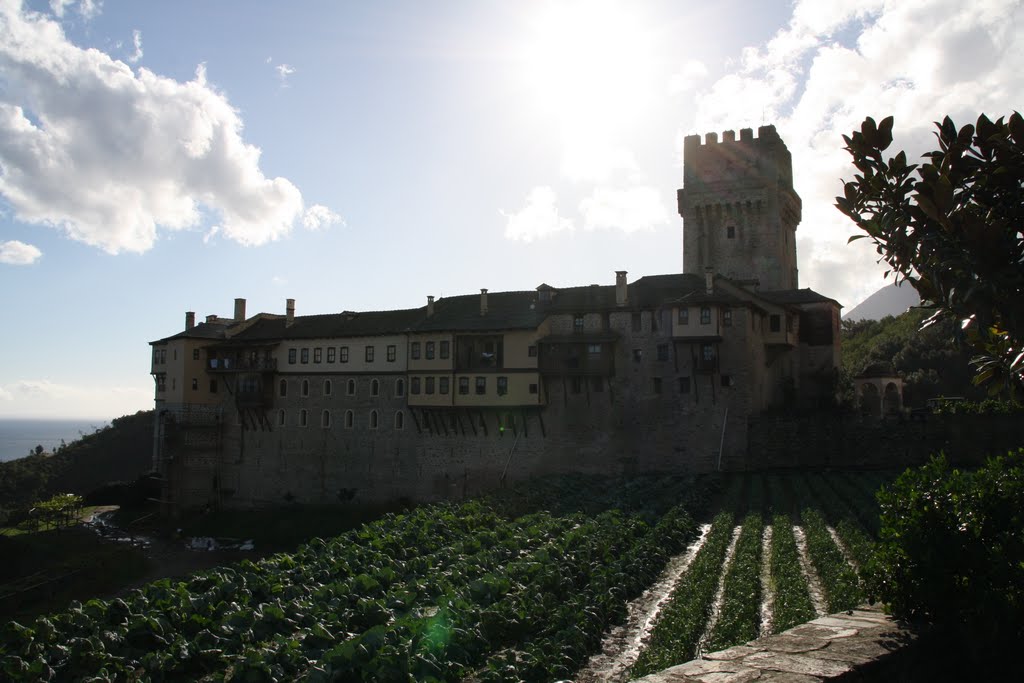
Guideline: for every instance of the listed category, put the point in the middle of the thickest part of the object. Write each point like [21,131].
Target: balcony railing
[242,365]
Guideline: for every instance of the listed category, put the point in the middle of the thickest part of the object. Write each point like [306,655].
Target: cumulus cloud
[319,216]
[839,61]
[87,8]
[629,210]
[110,155]
[538,219]
[16,253]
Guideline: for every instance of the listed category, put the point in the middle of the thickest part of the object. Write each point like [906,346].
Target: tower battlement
[764,134]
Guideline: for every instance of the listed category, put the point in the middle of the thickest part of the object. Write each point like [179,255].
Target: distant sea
[17,436]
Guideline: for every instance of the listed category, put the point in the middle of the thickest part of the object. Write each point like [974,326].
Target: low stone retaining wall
[839,647]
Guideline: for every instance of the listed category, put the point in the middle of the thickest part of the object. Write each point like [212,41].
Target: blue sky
[163,157]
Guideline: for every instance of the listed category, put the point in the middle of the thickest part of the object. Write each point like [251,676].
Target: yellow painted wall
[438,363]
[518,390]
[356,355]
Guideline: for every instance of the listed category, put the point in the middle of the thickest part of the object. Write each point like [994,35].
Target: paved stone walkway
[836,646]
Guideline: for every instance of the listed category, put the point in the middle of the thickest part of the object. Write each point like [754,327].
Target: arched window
[325,419]
[348,419]
[282,388]
[399,420]
[280,418]
[305,387]
[327,387]
[303,418]
[351,387]
[374,388]
[373,419]
[400,387]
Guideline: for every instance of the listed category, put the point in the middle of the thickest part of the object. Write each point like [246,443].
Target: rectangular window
[430,385]
[443,385]
[656,385]
[213,386]
[594,349]
[415,385]
[533,388]
[429,354]
[481,386]
[318,355]
[638,323]
[161,382]
[343,353]
[727,317]
[662,351]
[531,350]
[414,350]
[304,356]
[369,354]
[705,315]
[708,352]
[638,355]
[577,323]
[654,321]
[726,380]
[463,385]
[684,385]
[446,349]
[502,386]
[195,384]
[195,354]
[730,232]
[775,323]
[291,356]
[684,316]
[392,353]
[332,354]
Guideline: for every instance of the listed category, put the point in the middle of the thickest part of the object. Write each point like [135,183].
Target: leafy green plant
[740,616]
[792,602]
[951,550]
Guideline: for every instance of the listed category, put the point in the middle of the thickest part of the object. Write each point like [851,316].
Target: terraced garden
[522,586]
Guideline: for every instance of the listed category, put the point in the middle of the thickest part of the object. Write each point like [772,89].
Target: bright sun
[590,61]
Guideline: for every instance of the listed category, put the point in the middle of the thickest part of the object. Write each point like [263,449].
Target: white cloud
[538,219]
[319,216]
[628,210]
[87,8]
[278,281]
[35,397]
[136,54]
[18,253]
[110,155]
[283,72]
[839,61]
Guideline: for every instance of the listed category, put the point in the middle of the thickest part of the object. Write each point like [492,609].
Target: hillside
[120,452]
[929,360]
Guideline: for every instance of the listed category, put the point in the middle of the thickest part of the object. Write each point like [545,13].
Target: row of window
[705,316]
[597,384]
[707,353]
[443,385]
[444,349]
[348,421]
[338,354]
[350,388]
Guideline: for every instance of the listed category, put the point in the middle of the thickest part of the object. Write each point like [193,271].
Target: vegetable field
[521,586]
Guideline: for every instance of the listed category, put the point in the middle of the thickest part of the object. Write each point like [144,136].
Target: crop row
[740,616]
[682,621]
[438,593]
[792,601]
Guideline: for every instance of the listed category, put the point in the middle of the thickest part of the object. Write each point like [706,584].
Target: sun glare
[590,62]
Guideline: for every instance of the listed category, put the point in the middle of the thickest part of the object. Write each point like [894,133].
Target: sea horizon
[19,435]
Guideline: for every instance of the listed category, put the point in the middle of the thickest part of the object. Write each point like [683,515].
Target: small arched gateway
[880,390]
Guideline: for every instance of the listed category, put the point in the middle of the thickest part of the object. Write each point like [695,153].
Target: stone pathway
[820,650]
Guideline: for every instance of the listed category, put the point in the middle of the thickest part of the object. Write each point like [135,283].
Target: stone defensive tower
[739,208]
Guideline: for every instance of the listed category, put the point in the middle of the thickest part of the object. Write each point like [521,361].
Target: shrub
[951,550]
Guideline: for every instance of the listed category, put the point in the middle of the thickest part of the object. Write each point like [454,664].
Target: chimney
[483,302]
[239,309]
[709,281]
[190,320]
[621,291]
[430,306]
[289,312]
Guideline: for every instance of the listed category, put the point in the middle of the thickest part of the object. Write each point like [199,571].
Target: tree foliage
[952,227]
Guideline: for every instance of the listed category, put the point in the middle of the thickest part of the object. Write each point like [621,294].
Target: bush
[951,550]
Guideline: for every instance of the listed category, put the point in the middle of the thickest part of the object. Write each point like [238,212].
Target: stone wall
[822,440]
